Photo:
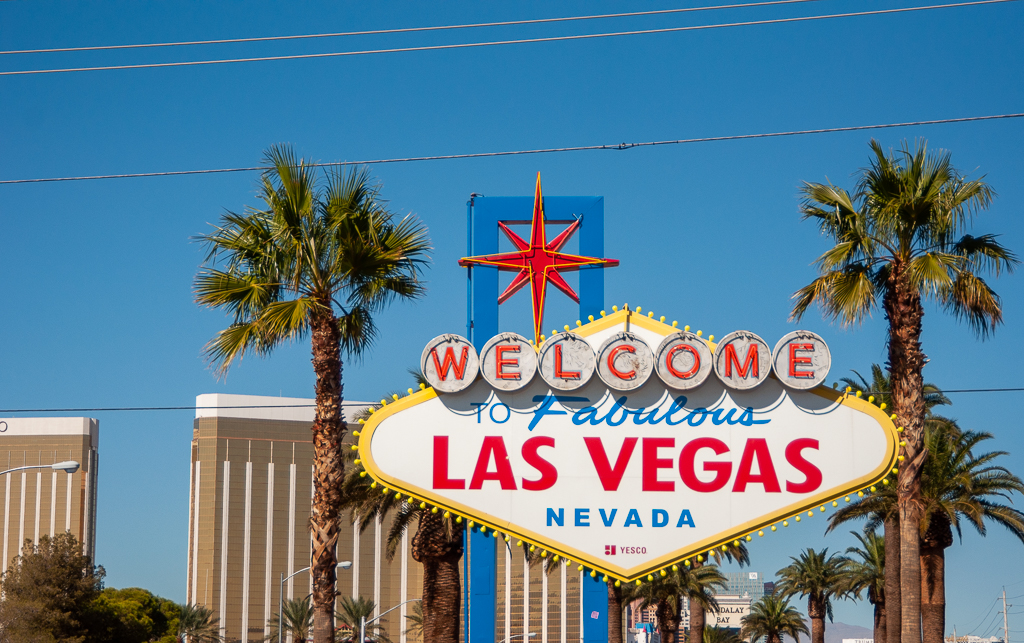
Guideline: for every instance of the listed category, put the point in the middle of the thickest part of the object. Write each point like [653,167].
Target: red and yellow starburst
[537,262]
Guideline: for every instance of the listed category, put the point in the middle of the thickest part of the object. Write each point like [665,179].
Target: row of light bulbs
[639,309]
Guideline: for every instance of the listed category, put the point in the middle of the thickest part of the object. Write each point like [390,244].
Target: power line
[192,63]
[982,620]
[550,150]
[377,32]
[309,406]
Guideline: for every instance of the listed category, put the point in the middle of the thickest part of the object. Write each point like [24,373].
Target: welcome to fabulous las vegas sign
[627,444]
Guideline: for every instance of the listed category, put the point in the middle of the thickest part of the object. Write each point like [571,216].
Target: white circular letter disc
[624,361]
[449,363]
[683,361]
[742,360]
[801,360]
[508,362]
[566,361]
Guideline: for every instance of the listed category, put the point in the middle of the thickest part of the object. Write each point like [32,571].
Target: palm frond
[971,300]
[311,250]
[904,227]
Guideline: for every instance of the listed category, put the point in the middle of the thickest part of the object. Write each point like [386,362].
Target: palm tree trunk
[904,311]
[328,470]
[893,609]
[664,622]
[673,624]
[933,604]
[816,612]
[936,539]
[439,552]
[614,613]
[880,622]
[696,623]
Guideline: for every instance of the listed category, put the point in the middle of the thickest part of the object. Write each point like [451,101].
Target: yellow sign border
[627,318]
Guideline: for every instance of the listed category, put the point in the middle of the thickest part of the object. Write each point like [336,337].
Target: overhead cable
[550,150]
[492,43]
[378,32]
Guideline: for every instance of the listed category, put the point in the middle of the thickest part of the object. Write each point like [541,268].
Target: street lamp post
[280,597]
[70,466]
[518,636]
[363,622]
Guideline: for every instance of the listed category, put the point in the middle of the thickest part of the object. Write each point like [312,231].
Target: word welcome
[624,361]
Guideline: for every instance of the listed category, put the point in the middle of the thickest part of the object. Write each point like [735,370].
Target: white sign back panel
[629,482]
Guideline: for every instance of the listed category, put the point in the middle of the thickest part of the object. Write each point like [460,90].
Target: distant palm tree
[880,388]
[817,576]
[720,635]
[735,551]
[316,261]
[350,613]
[197,624]
[866,573]
[958,486]
[900,238]
[770,618]
[664,594]
[296,618]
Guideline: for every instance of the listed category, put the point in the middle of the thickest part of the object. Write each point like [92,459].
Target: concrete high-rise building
[45,502]
[251,491]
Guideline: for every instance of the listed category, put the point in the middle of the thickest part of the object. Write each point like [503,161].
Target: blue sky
[97,275]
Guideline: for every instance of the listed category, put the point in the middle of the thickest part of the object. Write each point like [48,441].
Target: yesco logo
[611,550]
[624,361]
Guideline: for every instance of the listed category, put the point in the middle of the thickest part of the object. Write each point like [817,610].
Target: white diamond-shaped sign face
[628,482]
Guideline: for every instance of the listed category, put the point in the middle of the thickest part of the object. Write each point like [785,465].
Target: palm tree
[615,605]
[899,239]
[888,515]
[437,545]
[880,388]
[734,551]
[958,486]
[770,618]
[720,635]
[817,576]
[665,593]
[866,573]
[317,260]
[350,613]
[296,618]
[197,624]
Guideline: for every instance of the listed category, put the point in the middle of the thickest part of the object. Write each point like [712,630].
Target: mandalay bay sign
[627,445]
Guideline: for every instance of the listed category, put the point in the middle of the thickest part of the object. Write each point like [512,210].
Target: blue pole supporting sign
[483,236]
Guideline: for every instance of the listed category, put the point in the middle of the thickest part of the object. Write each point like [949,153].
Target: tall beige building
[44,502]
[251,491]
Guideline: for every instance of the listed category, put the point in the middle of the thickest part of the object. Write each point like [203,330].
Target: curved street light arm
[345,564]
[69,466]
[363,622]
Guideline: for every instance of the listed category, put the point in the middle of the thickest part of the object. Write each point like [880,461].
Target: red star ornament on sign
[537,262]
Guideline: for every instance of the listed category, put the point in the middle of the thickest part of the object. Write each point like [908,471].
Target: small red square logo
[609,550]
